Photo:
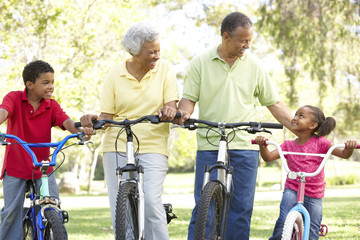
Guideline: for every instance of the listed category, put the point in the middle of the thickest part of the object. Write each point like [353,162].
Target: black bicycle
[213,208]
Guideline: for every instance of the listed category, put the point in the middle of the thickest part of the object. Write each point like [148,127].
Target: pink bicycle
[297,223]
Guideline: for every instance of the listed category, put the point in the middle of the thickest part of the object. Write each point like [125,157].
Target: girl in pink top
[310,125]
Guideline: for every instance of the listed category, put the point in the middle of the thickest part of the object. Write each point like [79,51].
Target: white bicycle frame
[130,159]
[222,159]
[293,175]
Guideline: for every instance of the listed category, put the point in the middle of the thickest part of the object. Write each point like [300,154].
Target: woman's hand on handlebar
[86,123]
[86,120]
[167,113]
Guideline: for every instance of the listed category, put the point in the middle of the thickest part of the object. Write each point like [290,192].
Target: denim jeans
[245,164]
[14,195]
[312,205]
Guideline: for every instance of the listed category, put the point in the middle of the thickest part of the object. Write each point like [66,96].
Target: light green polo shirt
[125,97]
[228,94]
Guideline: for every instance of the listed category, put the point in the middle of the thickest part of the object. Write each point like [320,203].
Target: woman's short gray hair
[136,35]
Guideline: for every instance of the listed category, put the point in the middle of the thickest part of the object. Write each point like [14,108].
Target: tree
[80,39]
[318,40]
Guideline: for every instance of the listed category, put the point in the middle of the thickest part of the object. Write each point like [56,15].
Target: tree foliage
[318,40]
[80,39]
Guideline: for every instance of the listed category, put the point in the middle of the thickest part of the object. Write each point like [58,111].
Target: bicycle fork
[224,176]
[299,207]
[132,168]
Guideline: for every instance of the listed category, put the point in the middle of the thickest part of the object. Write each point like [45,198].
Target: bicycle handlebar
[154,119]
[254,127]
[292,174]
[27,146]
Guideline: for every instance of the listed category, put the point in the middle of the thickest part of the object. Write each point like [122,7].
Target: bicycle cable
[213,129]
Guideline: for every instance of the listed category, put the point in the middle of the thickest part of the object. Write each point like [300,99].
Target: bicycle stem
[130,153]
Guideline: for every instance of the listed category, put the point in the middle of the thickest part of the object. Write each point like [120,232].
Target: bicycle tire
[126,221]
[208,216]
[28,226]
[54,226]
[293,227]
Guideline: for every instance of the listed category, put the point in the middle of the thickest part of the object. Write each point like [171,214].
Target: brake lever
[267,131]
[256,130]
[81,138]
[2,140]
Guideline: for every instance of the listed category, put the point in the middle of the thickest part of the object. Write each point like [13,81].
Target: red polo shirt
[32,127]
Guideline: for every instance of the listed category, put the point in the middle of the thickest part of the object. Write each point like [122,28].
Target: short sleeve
[59,115]
[9,103]
[267,93]
[171,92]
[107,104]
[192,82]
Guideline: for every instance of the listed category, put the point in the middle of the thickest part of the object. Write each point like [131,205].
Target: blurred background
[310,48]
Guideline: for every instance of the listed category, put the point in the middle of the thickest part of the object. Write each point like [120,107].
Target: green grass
[89,223]
[340,214]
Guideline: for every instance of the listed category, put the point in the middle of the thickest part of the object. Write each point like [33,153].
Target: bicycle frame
[131,165]
[42,198]
[224,177]
[299,207]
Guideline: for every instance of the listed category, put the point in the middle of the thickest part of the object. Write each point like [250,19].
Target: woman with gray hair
[141,85]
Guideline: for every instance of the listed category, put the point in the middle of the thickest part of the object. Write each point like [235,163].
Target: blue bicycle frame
[45,202]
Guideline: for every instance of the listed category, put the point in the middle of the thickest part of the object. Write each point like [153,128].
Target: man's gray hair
[137,34]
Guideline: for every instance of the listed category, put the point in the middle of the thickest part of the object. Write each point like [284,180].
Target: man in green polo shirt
[227,82]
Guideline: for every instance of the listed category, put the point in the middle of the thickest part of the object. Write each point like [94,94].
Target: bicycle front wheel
[28,227]
[293,227]
[54,226]
[126,221]
[208,216]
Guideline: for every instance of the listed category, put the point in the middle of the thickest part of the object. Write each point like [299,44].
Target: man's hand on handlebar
[184,116]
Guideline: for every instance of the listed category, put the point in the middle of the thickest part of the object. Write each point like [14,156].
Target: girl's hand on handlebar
[350,145]
[260,140]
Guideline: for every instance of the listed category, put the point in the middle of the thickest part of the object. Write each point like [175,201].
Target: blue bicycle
[43,219]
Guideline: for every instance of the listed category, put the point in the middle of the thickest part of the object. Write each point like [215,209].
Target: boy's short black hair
[33,70]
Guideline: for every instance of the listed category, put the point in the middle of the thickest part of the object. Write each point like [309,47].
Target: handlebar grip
[272,125]
[357,146]
[77,124]
[254,142]
[178,115]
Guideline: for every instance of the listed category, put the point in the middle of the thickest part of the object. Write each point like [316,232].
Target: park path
[185,200]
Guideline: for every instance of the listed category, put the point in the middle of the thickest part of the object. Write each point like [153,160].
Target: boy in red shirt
[30,115]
